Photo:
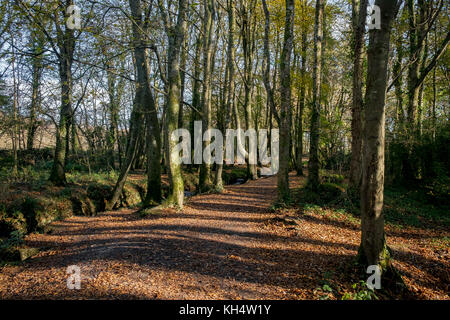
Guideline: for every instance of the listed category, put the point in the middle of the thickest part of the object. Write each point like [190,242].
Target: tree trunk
[286,107]
[373,249]
[248,47]
[313,165]
[301,102]
[35,95]
[143,103]
[208,29]
[176,38]
[66,50]
[359,17]
[229,89]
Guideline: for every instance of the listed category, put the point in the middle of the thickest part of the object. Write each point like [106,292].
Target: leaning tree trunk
[373,250]
[143,103]
[315,112]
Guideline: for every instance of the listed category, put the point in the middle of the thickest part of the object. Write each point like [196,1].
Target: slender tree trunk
[196,84]
[208,29]
[15,122]
[286,107]
[35,95]
[67,46]
[301,103]
[266,64]
[184,52]
[248,47]
[313,165]
[112,136]
[229,90]
[176,38]
[359,23]
[399,88]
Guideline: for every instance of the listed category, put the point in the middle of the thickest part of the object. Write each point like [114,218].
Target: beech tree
[373,250]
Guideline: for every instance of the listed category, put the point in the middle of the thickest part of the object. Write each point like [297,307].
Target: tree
[373,249]
[248,36]
[301,91]
[359,16]
[144,104]
[419,68]
[208,30]
[313,164]
[286,107]
[229,83]
[38,46]
[175,35]
[65,42]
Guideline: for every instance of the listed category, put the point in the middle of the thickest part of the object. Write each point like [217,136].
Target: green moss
[83,206]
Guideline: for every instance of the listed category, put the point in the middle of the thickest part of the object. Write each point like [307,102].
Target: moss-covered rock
[16,253]
[130,196]
[82,205]
[99,194]
[40,211]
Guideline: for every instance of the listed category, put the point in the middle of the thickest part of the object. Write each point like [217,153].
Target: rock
[83,206]
[26,253]
[99,194]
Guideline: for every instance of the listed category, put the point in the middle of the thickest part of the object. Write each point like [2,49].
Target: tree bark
[229,90]
[359,17]
[208,29]
[286,107]
[143,104]
[248,47]
[373,250]
[313,164]
[176,37]
[66,44]
[37,58]
[301,99]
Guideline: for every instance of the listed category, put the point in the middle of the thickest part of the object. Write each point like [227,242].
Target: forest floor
[221,246]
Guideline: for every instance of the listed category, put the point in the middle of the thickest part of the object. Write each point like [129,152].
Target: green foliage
[411,207]
[325,289]
[8,247]
[15,239]
[361,292]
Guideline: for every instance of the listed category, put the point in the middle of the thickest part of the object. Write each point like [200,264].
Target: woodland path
[221,246]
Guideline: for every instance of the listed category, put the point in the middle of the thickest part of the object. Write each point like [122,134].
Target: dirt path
[220,247]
